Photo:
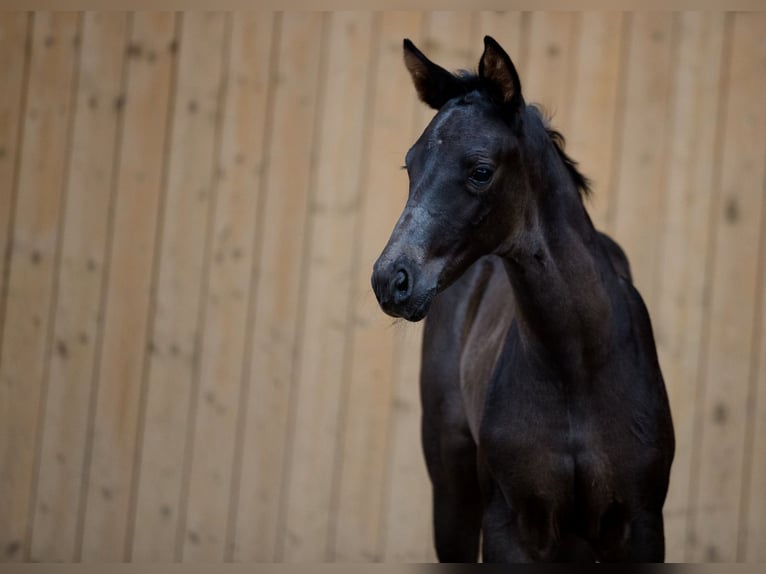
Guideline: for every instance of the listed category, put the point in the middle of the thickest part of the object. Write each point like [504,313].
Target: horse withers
[546,426]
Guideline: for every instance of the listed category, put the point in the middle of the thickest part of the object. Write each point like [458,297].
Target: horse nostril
[401,282]
[401,286]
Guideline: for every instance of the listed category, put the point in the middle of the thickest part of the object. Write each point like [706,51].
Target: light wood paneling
[548,73]
[594,93]
[752,536]
[638,198]
[333,207]
[183,260]
[193,365]
[681,276]
[734,291]
[44,155]
[238,189]
[280,274]
[15,44]
[115,425]
[79,305]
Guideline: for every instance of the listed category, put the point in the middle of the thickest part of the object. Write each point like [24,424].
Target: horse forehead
[452,120]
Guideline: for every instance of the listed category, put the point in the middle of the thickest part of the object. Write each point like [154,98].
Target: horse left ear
[435,85]
[497,68]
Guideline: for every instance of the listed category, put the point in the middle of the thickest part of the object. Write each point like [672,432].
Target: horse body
[546,424]
[464,334]
[584,450]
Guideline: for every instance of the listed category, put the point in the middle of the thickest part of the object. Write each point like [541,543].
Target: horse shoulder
[484,333]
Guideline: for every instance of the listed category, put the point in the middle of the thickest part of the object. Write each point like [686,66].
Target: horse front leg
[457,508]
[647,538]
[645,543]
[501,542]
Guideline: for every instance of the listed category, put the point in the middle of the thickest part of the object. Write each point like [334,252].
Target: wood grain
[681,275]
[32,271]
[79,306]
[279,277]
[591,128]
[240,163]
[734,291]
[176,328]
[333,207]
[115,423]
[638,199]
[15,44]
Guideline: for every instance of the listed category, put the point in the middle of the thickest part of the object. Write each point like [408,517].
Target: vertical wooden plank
[447,41]
[752,538]
[734,291]
[333,210]
[689,190]
[123,344]
[408,508]
[357,516]
[15,41]
[638,196]
[594,94]
[25,334]
[176,323]
[78,306]
[407,515]
[279,275]
[549,74]
[229,282]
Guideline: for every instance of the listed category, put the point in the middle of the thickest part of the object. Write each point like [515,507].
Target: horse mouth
[417,310]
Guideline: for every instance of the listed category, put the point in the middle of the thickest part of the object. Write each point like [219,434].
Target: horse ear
[497,68]
[434,84]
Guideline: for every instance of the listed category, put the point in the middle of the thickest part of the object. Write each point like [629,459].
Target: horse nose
[392,285]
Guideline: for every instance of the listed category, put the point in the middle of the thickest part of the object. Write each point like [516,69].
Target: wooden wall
[192,364]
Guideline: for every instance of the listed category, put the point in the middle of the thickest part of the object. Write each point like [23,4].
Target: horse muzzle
[397,289]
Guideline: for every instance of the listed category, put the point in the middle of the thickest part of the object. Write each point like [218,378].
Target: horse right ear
[496,67]
[434,84]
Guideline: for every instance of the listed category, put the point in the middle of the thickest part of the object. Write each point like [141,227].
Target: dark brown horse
[546,424]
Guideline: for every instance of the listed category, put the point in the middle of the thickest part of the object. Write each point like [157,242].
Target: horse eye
[481,175]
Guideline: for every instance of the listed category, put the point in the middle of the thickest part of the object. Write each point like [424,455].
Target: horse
[546,426]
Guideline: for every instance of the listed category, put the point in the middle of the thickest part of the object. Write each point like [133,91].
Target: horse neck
[562,281]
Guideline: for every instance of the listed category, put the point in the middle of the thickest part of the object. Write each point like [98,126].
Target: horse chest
[550,449]
[549,443]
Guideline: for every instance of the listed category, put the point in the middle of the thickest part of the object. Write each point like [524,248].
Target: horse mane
[582,183]
[471,81]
